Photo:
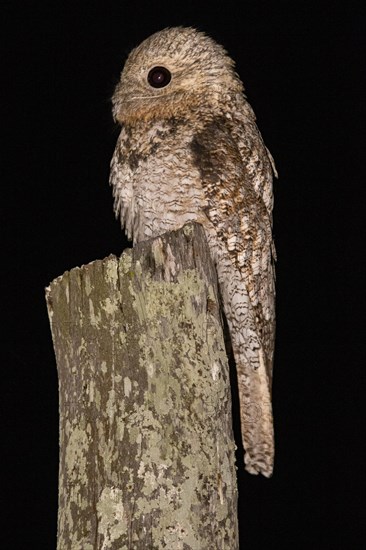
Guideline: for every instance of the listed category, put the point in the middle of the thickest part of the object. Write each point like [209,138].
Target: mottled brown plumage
[189,150]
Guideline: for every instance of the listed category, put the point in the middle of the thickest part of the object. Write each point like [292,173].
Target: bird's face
[171,74]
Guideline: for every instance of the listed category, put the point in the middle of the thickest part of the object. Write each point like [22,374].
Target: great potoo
[190,150]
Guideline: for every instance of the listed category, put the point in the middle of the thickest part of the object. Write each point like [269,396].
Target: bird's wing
[243,227]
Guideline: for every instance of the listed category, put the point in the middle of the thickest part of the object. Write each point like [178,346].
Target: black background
[301,66]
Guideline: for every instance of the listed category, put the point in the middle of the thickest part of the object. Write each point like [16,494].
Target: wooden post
[146,441]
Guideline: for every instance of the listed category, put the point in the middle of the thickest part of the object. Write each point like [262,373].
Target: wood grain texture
[146,443]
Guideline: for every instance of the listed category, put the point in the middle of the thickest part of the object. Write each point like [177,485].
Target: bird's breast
[162,189]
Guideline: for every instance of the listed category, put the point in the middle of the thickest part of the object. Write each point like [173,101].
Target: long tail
[253,369]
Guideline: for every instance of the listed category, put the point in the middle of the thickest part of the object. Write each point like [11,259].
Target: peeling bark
[146,442]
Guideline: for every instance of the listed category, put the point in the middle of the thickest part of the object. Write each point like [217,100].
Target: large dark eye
[159,77]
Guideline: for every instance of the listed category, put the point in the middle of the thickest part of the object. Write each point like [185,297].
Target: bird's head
[173,72]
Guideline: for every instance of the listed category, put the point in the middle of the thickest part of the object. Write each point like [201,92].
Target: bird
[189,150]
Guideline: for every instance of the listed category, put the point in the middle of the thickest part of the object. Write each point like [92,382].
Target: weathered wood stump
[146,442]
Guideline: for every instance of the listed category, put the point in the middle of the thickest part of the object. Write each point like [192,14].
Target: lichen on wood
[146,442]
